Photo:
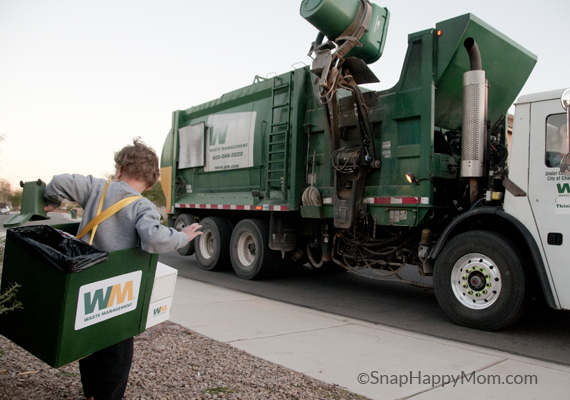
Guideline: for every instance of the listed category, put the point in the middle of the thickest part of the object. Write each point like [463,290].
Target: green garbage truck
[312,166]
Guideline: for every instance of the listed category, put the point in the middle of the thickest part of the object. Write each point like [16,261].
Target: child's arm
[66,186]
[157,238]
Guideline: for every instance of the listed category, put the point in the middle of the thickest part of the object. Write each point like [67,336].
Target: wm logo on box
[160,310]
[109,298]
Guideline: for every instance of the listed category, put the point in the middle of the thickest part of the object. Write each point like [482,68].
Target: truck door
[549,191]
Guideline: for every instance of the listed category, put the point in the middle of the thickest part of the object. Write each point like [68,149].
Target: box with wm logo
[67,316]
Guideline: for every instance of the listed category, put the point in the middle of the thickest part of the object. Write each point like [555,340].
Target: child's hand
[49,208]
[192,231]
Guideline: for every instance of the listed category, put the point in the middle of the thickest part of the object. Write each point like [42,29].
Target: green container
[33,200]
[33,204]
[67,316]
[333,17]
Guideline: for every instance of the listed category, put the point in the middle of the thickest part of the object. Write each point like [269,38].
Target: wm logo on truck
[218,133]
[239,125]
[230,141]
[563,188]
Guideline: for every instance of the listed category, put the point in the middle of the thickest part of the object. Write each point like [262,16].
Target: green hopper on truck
[310,166]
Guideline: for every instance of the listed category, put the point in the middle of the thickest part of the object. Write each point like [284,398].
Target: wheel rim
[179,226]
[246,249]
[207,244]
[476,281]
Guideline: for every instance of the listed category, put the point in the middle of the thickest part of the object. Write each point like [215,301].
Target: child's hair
[138,161]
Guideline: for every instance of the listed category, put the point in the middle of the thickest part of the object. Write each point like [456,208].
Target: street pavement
[373,360]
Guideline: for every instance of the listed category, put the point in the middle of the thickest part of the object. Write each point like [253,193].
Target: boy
[104,374]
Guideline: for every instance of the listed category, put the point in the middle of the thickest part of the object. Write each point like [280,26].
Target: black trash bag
[57,248]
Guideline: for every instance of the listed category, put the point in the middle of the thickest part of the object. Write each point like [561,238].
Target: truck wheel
[249,251]
[212,247]
[480,281]
[181,222]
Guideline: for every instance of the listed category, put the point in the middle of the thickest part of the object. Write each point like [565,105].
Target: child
[104,374]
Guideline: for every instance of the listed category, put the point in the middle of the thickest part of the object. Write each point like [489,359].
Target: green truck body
[324,181]
[410,121]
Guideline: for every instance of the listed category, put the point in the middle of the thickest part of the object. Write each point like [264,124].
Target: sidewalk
[375,361]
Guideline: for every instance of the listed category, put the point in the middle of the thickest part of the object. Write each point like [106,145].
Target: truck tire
[480,281]
[212,247]
[249,251]
[181,222]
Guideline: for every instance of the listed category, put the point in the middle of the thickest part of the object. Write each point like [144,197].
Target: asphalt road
[543,333]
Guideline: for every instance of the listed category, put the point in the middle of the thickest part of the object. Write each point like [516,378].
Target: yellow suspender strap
[98,212]
[101,216]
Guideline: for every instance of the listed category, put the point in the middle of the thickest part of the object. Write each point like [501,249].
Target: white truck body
[545,210]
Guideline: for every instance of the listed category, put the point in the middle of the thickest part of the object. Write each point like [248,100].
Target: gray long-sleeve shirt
[138,224]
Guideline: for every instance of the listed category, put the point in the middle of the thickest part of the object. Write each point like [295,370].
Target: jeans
[105,374]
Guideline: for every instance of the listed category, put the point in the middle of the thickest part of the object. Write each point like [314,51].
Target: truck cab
[493,259]
[540,141]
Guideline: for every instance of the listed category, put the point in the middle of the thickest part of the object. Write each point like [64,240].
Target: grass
[219,390]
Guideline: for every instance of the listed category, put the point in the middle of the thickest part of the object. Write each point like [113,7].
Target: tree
[156,195]
[5,191]
[7,195]
[16,198]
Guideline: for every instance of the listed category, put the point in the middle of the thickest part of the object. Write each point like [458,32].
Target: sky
[80,79]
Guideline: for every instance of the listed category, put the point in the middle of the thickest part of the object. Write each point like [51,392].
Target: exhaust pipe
[474,54]
[475,88]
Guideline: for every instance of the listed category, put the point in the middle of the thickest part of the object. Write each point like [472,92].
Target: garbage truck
[314,166]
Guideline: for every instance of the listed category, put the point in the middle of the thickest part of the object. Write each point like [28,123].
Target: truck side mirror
[565,99]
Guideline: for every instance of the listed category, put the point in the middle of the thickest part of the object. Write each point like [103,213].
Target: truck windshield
[556,140]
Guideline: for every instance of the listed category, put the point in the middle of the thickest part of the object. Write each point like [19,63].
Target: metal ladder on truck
[278,138]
